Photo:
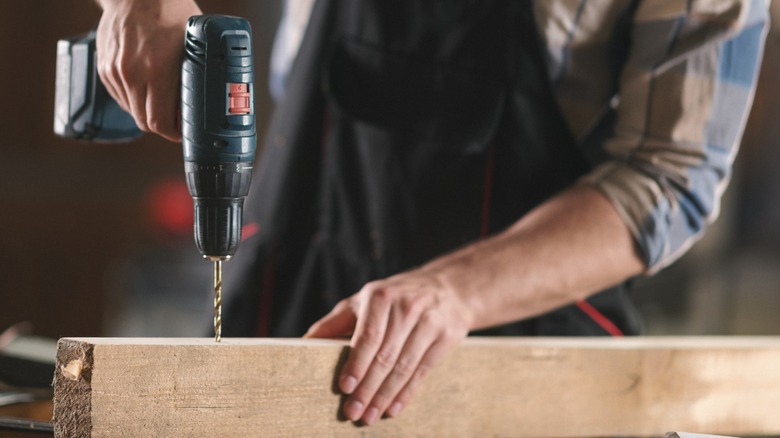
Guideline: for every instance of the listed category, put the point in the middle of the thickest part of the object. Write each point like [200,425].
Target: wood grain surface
[504,387]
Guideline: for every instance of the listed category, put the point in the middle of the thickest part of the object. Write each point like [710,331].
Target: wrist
[457,274]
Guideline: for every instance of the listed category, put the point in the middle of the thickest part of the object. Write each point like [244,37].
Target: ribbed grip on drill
[218,226]
[218,191]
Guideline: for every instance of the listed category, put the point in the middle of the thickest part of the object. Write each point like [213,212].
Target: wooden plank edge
[72,378]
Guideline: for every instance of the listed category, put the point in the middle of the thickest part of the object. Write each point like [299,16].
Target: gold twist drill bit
[217,300]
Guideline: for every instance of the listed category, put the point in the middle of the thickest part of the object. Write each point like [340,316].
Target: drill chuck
[218,127]
[218,227]
[218,194]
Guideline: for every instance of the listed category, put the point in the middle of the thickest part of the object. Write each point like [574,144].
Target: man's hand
[570,246]
[402,327]
[139,50]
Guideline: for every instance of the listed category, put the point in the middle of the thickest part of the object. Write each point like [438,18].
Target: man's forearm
[569,247]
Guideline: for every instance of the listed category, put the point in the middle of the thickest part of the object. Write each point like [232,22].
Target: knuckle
[430,318]
[380,290]
[386,358]
[157,123]
[346,302]
[369,288]
[123,67]
[404,369]
[111,69]
[419,373]
[140,120]
[422,370]
[380,295]
[345,305]
[364,393]
[142,125]
[412,305]
[381,400]
[352,302]
[371,335]
[153,123]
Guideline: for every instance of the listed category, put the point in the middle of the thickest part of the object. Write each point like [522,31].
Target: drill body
[218,119]
[218,128]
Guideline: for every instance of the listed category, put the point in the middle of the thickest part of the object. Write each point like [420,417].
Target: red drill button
[239,98]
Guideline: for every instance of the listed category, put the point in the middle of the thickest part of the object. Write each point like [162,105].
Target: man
[467,166]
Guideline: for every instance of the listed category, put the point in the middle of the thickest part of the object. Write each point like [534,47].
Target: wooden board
[485,387]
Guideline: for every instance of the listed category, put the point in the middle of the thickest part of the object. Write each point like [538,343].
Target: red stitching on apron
[264,317]
[599,318]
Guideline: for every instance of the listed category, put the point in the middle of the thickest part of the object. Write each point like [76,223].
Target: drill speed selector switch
[239,99]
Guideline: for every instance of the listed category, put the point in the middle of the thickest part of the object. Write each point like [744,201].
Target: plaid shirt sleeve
[657,93]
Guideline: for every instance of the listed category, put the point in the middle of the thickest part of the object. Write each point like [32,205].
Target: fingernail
[395,409]
[348,384]
[371,415]
[353,410]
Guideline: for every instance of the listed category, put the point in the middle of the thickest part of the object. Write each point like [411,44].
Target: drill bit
[217,300]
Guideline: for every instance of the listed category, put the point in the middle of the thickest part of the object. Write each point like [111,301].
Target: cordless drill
[218,124]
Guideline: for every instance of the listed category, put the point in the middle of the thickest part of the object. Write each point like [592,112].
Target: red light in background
[170,208]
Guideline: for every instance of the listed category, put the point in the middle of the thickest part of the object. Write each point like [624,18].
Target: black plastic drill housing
[218,127]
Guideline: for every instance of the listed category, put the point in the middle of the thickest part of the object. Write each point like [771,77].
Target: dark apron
[410,128]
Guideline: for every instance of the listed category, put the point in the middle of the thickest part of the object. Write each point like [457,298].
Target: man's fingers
[163,95]
[393,367]
[161,111]
[137,100]
[372,320]
[431,357]
[403,326]
[107,77]
[108,69]
[387,359]
[339,322]
[124,81]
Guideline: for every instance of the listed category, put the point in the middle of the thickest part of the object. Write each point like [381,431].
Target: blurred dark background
[95,240]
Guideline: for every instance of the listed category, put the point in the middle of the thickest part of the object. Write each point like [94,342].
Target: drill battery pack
[83,109]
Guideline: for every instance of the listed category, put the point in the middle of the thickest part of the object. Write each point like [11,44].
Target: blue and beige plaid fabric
[657,93]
